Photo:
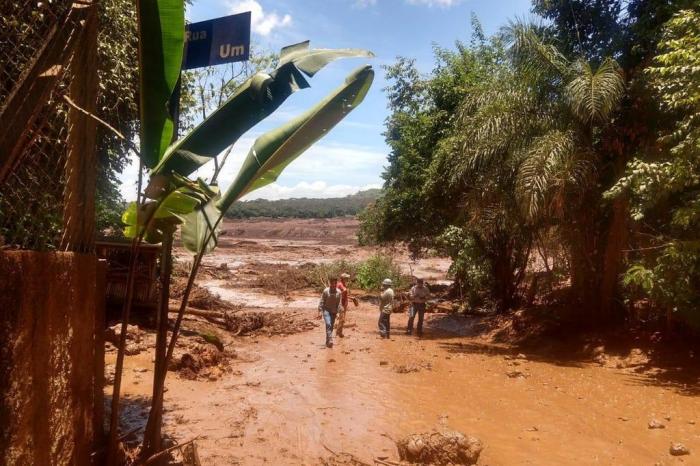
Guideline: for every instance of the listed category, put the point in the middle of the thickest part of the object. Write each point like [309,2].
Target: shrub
[318,274]
[374,270]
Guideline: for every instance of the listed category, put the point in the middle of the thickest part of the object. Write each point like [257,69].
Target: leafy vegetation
[367,275]
[117,105]
[371,272]
[582,132]
[304,207]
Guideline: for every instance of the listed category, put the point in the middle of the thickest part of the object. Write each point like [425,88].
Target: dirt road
[288,400]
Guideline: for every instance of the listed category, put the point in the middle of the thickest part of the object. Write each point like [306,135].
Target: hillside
[304,207]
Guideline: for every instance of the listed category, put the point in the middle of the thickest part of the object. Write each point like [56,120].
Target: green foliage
[318,274]
[205,89]
[371,273]
[469,265]
[161,32]
[274,150]
[664,185]
[250,103]
[517,137]
[117,45]
[671,280]
[304,208]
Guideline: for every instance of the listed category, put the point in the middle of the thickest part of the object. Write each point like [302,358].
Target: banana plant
[270,154]
[171,198]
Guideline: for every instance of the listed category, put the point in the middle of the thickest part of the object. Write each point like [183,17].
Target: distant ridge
[305,207]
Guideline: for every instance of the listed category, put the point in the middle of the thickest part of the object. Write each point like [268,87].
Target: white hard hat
[387,282]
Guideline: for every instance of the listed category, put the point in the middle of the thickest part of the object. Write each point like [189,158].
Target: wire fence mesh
[31,196]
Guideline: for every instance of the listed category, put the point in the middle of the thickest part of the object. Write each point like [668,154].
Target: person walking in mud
[386,306]
[328,308]
[419,296]
[343,287]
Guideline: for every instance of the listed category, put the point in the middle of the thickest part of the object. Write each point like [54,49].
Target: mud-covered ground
[282,398]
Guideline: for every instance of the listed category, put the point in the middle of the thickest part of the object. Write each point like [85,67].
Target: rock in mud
[440,448]
[656,424]
[201,360]
[678,449]
[134,338]
[412,367]
[517,374]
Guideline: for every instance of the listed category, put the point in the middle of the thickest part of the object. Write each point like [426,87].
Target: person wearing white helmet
[386,306]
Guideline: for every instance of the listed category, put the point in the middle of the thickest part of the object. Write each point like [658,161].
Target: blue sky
[352,156]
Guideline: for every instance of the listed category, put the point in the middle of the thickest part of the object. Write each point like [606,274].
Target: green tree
[664,184]
[118,75]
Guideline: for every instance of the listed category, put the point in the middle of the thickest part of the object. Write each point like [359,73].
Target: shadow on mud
[674,365]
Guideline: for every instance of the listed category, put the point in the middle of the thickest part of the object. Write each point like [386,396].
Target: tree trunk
[583,257]
[617,235]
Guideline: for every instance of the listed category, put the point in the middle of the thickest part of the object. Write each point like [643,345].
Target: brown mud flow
[288,400]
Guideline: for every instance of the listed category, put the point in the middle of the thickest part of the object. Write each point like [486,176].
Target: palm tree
[539,134]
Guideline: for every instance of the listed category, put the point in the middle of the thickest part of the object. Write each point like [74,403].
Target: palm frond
[551,167]
[531,53]
[495,123]
[594,95]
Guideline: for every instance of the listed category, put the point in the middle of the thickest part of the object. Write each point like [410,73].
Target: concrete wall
[50,357]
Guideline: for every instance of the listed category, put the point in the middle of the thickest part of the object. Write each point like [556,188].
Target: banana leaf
[161,41]
[200,226]
[250,103]
[276,149]
[176,204]
[312,61]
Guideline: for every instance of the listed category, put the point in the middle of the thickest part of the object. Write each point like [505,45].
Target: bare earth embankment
[279,397]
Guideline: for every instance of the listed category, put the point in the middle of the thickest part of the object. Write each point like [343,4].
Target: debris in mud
[342,459]
[204,361]
[283,277]
[200,297]
[678,449]
[440,448]
[269,323]
[412,367]
[517,374]
[656,424]
[636,358]
[135,338]
[109,374]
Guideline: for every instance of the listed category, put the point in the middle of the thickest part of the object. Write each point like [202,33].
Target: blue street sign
[217,41]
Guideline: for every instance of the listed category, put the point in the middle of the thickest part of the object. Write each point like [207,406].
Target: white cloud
[326,169]
[315,189]
[262,22]
[432,3]
[429,3]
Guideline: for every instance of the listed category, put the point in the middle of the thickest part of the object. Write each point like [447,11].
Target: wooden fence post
[81,162]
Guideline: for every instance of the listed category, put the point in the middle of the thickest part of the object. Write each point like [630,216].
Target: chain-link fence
[32,190]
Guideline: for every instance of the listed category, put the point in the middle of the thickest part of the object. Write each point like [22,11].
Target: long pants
[416,308]
[384,324]
[329,319]
[340,321]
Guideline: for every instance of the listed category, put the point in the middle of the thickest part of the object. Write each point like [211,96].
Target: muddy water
[288,400]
